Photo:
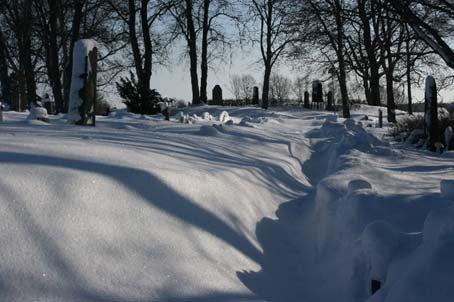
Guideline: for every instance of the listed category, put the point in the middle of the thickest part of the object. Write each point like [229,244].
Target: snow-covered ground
[283,205]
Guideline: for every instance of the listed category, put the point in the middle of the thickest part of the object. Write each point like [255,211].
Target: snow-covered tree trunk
[82,97]
[431,114]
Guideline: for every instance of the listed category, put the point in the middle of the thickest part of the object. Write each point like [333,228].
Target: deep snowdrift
[138,209]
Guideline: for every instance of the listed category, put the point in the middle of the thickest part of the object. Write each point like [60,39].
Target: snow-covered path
[138,209]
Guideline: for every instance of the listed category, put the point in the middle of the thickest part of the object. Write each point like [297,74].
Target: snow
[283,205]
[81,50]
[37,113]
[447,189]
[224,117]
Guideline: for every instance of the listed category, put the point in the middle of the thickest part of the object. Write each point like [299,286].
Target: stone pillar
[431,130]
[217,96]
[317,94]
[255,96]
[82,100]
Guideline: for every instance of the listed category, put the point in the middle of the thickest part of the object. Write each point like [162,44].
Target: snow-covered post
[380,118]
[255,96]
[317,93]
[431,113]
[307,104]
[82,99]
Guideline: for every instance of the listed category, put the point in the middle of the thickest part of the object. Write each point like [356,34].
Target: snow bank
[447,189]
[182,212]
[364,233]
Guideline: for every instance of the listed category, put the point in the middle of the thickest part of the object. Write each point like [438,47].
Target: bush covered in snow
[406,127]
[102,106]
[129,90]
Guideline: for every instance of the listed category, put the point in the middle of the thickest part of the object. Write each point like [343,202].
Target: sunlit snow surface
[283,205]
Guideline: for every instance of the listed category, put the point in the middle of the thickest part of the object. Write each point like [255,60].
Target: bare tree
[4,77]
[235,86]
[330,14]
[140,17]
[274,35]
[246,86]
[19,18]
[429,30]
[242,86]
[280,87]
[299,87]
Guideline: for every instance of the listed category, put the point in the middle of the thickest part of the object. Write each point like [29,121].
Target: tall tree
[392,39]
[430,30]
[274,36]
[4,78]
[330,14]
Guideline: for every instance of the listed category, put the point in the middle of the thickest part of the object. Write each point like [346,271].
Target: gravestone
[217,95]
[82,100]
[307,104]
[255,96]
[330,101]
[317,94]
[431,114]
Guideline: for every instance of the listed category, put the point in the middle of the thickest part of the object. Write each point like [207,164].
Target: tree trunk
[390,96]
[341,60]
[4,79]
[204,64]
[367,91]
[25,55]
[192,45]
[266,86]
[374,85]
[53,69]
[409,65]
[148,49]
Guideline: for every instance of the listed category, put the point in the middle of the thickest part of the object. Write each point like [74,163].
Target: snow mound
[426,274]
[439,225]
[38,113]
[207,116]
[380,244]
[206,130]
[250,121]
[359,184]
[224,117]
[447,189]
